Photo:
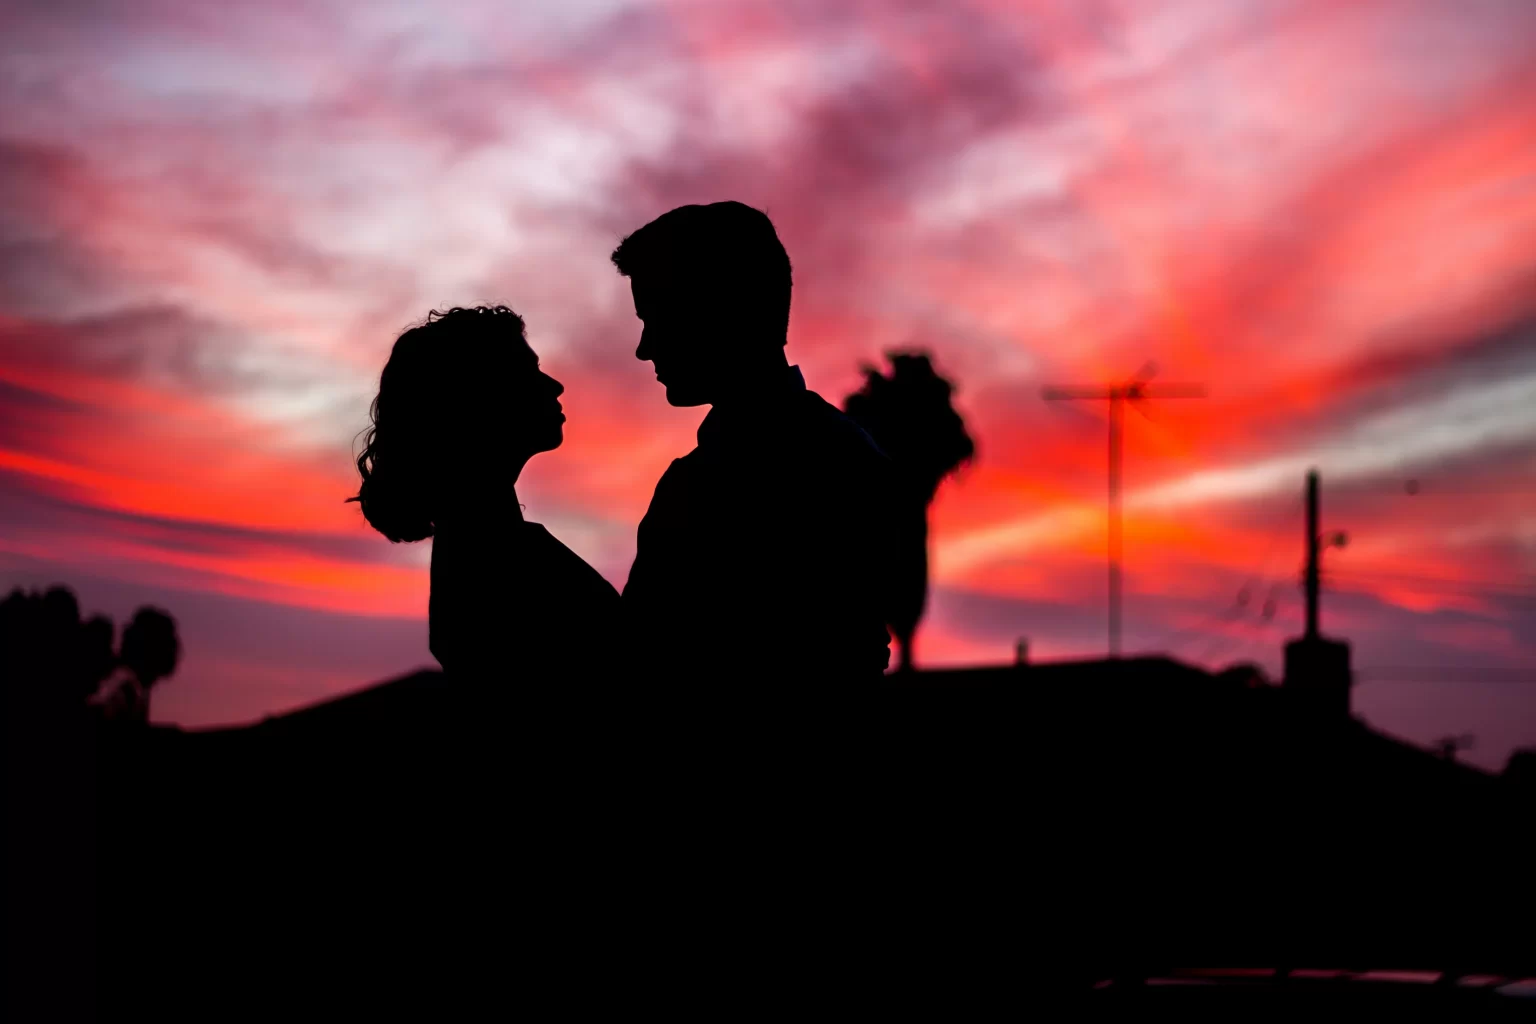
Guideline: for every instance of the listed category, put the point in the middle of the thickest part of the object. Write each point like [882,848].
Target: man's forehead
[667,282]
[662,271]
[654,289]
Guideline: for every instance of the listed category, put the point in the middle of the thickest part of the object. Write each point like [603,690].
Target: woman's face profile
[498,405]
[538,420]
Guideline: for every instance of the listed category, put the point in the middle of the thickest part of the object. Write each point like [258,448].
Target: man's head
[712,285]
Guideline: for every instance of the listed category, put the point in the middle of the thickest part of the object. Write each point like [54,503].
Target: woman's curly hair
[417,395]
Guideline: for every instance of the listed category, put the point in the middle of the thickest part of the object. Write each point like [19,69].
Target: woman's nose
[557,387]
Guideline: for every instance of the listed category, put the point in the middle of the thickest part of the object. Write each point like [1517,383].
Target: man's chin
[683,397]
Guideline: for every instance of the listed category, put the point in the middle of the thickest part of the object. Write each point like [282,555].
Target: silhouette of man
[761,556]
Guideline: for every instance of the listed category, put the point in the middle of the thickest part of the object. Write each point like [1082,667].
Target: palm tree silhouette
[911,416]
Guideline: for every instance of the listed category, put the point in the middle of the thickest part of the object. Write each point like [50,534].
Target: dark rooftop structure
[1149,811]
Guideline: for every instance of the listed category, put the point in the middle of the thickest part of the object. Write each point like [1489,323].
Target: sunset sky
[216,217]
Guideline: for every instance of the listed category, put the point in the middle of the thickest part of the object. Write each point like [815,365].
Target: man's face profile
[676,338]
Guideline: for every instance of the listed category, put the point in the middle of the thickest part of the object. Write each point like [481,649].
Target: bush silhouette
[911,416]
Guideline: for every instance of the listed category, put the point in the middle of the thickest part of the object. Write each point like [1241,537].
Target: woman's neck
[468,497]
[476,506]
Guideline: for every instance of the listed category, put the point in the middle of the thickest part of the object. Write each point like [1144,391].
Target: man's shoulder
[685,477]
[810,433]
[681,468]
[836,430]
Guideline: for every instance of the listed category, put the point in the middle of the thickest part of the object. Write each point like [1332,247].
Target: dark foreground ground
[955,839]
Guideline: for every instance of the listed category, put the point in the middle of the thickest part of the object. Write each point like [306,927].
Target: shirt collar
[720,426]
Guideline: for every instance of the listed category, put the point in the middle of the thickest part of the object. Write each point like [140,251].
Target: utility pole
[1312,580]
[1318,670]
[1116,539]
[1313,583]
[1136,390]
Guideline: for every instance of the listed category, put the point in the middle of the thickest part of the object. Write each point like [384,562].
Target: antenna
[1137,390]
[1316,541]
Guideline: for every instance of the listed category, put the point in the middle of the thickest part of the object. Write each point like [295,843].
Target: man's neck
[757,383]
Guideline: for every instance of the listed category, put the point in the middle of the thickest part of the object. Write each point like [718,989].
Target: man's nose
[643,350]
[556,386]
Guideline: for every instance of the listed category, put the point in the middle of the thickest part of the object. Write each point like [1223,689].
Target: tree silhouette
[54,663]
[150,651]
[50,660]
[911,416]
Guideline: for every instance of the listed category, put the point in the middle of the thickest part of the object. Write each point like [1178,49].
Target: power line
[1410,573]
[1256,579]
[1258,634]
[1421,577]
[1369,678]
[1229,614]
[1361,581]
[1446,673]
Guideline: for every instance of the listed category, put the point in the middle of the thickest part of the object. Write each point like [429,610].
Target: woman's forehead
[516,348]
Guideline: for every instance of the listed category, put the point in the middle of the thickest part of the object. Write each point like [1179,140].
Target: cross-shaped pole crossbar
[1137,389]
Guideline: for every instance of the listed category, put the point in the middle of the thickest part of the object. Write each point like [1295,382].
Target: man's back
[762,554]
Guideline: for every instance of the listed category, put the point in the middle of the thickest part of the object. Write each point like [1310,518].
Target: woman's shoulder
[565,561]
[518,550]
[521,586]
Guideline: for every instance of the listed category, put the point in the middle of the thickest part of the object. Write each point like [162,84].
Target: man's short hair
[726,249]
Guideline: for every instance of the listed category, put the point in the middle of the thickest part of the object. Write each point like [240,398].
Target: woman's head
[462,405]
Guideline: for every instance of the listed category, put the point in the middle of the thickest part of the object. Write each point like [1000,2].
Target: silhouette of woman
[462,407]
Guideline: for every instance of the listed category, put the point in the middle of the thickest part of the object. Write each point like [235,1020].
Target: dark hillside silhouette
[1520,771]
[1068,821]
[1108,818]
[911,417]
